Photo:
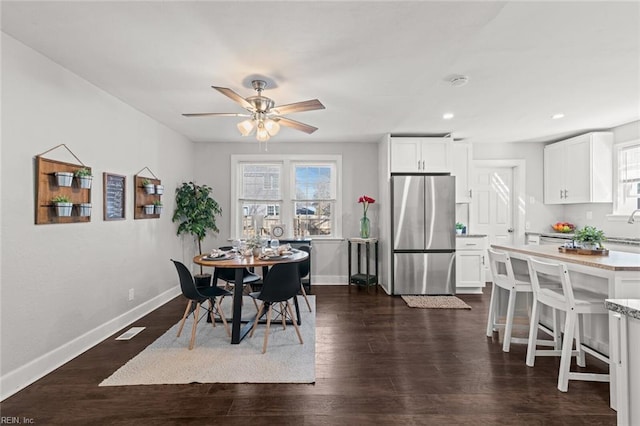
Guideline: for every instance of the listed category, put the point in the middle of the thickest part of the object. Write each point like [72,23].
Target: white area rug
[435,302]
[215,360]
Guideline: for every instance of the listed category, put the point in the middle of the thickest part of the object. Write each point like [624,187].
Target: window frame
[287,187]
[618,186]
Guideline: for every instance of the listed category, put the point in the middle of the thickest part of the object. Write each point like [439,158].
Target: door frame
[519,205]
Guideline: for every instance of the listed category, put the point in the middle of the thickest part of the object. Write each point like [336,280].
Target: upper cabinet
[421,154]
[579,170]
[461,152]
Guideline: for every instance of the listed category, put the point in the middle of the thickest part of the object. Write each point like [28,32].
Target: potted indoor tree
[590,237]
[84,177]
[63,205]
[196,213]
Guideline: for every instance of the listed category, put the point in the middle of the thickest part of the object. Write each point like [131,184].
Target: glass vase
[365,227]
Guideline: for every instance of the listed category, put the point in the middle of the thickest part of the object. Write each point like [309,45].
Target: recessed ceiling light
[557,116]
[447,115]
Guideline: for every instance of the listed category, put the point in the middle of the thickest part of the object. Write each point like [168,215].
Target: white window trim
[285,161]
[616,216]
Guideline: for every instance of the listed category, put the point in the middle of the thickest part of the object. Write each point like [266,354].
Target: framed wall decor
[114,196]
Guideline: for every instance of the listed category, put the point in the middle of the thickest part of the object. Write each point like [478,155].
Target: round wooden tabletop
[236,261]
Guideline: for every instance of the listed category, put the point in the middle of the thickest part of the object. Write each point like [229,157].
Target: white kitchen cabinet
[421,154]
[471,262]
[579,170]
[625,341]
[461,154]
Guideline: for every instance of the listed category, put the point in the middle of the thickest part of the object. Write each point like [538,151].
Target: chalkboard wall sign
[114,196]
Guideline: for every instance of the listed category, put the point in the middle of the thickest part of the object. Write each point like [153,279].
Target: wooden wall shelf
[142,198]
[47,188]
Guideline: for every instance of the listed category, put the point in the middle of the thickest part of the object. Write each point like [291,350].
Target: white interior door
[491,209]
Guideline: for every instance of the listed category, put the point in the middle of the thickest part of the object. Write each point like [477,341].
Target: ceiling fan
[264,117]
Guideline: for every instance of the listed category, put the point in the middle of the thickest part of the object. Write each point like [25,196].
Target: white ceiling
[378,67]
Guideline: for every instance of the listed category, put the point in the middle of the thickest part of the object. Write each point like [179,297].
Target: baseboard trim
[23,376]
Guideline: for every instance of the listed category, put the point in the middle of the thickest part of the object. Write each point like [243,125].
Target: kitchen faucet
[631,220]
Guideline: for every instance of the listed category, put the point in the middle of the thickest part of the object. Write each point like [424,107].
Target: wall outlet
[527,225]
[532,200]
[589,215]
[131,294]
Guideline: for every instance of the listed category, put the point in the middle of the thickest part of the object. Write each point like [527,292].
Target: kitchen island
[616,276]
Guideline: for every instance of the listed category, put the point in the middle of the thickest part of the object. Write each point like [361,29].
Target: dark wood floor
[378,362]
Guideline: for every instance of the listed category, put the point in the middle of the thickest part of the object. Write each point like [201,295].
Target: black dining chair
[281,283]
[304,268]
[199,295]
[228,275]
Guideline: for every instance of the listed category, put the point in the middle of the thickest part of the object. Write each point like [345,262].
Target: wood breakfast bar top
[615,261]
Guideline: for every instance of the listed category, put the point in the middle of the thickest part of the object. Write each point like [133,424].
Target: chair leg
[266,332]
[283,316]
[492,306]
[195,324]
[567,348]
[582,361]
[255,322]
[184,317]
[533,333]
[304,294]
[295,324]
[508,328]
[557,331]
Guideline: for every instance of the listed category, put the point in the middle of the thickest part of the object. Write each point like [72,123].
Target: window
[299,192]
[628,178]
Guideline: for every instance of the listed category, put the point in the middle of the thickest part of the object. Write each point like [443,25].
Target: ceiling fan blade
[296,125]
[219,114]
[309,105]
[233,95]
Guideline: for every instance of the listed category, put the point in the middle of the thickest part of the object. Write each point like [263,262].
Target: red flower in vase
[366,200]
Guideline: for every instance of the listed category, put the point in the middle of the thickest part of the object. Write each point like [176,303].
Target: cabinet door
[461,154]
[406,155]
[469,268]
[578,172]
[554,164]
[436,155]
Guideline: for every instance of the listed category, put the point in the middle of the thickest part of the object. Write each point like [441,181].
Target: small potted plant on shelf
[590,237]
[64,178]
[84,209]
[63,205]
[159,189]
[149,208]
[459,228]
[84,177]
[149,187]
[157,206]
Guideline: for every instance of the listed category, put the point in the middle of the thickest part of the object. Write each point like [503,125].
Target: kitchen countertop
[615,261]
[569,236]
[470,235]
[628,307]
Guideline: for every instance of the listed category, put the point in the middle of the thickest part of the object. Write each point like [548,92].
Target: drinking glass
[275,244]
[236,245]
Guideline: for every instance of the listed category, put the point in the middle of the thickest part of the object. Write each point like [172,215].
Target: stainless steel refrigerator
[423,233]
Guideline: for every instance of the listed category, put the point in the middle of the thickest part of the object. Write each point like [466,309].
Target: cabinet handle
[470,196]
[561,194]
[418,164]
[565,194]
[483,260]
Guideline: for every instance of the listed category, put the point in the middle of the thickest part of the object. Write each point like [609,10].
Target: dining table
[239,262]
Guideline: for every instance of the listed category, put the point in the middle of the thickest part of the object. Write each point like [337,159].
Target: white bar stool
[504,278]
[575,303]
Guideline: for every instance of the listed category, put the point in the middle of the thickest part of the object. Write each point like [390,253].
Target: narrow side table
[366,278]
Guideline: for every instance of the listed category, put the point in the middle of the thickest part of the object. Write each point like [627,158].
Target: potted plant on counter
[459,228]
[196,213]
[63,205]
[590,237]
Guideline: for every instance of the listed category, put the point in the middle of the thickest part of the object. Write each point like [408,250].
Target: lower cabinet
[471,262]
[626,362]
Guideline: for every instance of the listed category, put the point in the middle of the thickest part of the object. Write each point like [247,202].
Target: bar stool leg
[508,328]
[533,333]
[492,307]
[567,348]
[582,361]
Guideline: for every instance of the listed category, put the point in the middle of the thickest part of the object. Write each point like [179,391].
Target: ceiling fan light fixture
[272,126]
[262,134]
[246,127]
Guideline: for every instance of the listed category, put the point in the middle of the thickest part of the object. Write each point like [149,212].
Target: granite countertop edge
[470,235]
[616,240]
[628,307]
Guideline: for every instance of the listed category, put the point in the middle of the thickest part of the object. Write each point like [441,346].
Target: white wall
[360,174]
[65,286]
